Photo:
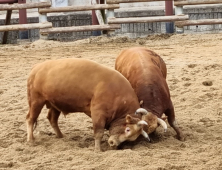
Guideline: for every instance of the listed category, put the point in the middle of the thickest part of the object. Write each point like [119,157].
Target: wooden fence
[9,7]
[111,23]
[179,10]
[103,26]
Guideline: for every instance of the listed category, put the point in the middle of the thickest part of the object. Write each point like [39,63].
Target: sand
[194,77]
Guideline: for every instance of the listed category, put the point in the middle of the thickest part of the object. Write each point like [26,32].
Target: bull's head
[152,120]
[132,128]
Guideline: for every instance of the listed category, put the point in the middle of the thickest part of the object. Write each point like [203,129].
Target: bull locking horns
[142,122]
[142,111]
[162,123]
[145,135]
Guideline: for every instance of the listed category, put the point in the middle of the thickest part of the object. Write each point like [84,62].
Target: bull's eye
[127,130]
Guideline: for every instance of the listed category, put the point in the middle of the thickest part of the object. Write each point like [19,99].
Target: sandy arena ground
[194,77]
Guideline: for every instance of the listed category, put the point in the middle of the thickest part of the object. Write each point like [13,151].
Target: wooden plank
[99,17]
[24,6]
[7,22]
[78,8]
[130,1]
[80,28]
[25,26]
[147,19]
[195,2]
[198,22]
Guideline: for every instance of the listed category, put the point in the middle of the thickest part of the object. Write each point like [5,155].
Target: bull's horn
[145,135]
[162,123]
[142,122]
[142,111]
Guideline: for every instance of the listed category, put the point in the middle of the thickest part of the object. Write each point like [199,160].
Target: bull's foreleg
[98,127]
[98,134]
[53,116]
[171,120]
[31,118]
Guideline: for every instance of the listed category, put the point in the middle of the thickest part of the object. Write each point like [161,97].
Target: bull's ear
[128,119]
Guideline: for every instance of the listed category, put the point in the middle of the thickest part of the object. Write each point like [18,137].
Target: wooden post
[168,12]
[95,20]
[110,14]
[7,22]
[179,11]
[43,19]
[103,15]
[23,34]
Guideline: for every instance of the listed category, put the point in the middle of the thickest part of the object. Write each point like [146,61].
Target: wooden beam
[195,2]
[24,6]
[7,22]
[198,22]
[130,1]
[80,28]
[25,26]
[78,8]
[147,19]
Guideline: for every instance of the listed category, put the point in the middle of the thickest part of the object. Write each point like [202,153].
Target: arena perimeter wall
[130,30]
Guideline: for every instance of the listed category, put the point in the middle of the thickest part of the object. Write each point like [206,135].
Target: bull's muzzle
[113,142]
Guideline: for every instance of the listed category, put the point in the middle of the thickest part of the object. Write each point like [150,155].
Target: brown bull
[146,71]
[79,85]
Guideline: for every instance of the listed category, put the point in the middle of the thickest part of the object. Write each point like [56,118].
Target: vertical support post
[110,14]
[179,11]
[43,19]
[95,20]
[103,15]
[168,12]
[23,34]
[7,22]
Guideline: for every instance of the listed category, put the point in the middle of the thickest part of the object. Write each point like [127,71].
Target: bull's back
[146,72]
[71,84]
[137,59]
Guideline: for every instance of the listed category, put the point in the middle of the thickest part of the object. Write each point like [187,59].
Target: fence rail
[130,1]
[195,2]
[147,19]
[79,8]
[25,26]
[80,28]
[4,7]
[198,22]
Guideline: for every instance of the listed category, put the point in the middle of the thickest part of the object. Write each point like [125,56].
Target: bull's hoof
[30,140]
[181,137]
[60,135]
[97,150]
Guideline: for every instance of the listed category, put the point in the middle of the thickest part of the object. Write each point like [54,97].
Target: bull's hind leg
[35,108]
[171,119]
[53,116]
